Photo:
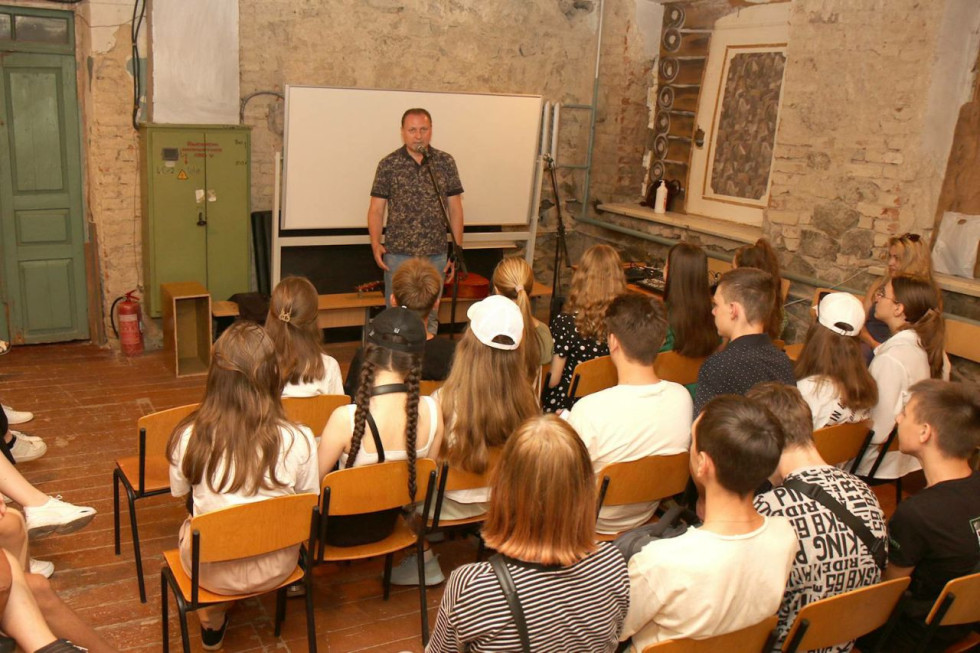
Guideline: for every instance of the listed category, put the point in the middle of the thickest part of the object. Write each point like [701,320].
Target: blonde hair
[486,396]
[915,259]
[598,279]
[513,278]
[542,495]
[237,428]
[292,325]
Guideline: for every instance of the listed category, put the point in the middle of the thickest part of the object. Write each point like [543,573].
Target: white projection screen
[335,138]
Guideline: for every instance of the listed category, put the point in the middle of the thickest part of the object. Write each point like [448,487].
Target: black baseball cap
[399,329]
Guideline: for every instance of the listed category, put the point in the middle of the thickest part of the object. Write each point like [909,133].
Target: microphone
[423,150]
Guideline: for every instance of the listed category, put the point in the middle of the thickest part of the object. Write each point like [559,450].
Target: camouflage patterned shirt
[415,224]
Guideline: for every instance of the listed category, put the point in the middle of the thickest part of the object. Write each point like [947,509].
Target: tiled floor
[87,401]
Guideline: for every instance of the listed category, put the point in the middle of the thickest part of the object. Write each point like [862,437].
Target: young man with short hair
[730,572]
[416,285]
[640,416]
[740,307]
[832,557]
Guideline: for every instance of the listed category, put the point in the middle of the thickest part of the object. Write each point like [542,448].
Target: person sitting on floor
[730,572]
[832,558]
[573,593]
[742,303]
[292,325]
[935,534]
[640,416]
[416,285]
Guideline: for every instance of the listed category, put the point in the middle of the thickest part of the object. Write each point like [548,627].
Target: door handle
[201,222]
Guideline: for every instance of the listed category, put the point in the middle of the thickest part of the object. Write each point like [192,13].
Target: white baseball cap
[842,313]
[497,316]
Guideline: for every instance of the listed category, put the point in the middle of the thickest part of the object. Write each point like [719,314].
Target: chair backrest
[428,387]
[373,488]
[959,602]
[754,639]
[963,338]
[842,618]
[158,427]
[841,442]
[784,289]
[457,479]
[671,366]
[255,528]
[592,376]
[313,411]
[644,480]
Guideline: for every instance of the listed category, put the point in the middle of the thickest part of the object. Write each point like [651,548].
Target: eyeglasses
[880,294]
[910,237]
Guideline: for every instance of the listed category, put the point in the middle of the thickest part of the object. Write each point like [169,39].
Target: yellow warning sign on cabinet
[182,175]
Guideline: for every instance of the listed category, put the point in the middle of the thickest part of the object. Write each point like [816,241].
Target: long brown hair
[597,280]
[237,428]
[402,363]
[513,278]
[687,295]
[486,396]
[923,313]
[542,496]
[836,359]
[292,325]
[763,257]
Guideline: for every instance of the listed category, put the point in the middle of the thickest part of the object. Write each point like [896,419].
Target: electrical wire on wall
[139,7]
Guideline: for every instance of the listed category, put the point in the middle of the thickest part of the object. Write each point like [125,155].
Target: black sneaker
[212,640]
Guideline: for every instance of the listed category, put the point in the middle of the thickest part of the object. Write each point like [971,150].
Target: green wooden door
[227,212]
[41,222]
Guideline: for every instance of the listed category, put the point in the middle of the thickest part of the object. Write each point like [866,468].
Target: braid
[412,423]
[363,401]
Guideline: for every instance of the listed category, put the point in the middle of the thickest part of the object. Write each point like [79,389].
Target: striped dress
[578,608]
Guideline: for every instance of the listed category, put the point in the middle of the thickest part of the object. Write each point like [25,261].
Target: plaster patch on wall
[105,18]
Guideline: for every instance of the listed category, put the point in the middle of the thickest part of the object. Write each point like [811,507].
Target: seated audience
[911,309]
[579,330]
[514,279]
[292,326]
[402,425]
[741,304]
[573,593]
[909,256]
[833,378]
[642,415]
[730,572]
[416,285]
[832,558]
[238,448]
[687,295]
[934,534]
[762,256]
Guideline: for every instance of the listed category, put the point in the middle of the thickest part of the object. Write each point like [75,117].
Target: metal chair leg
[136,545]
[387,578]
[310,622]
[164,610]
[423,608]
[280,609]
[115,507]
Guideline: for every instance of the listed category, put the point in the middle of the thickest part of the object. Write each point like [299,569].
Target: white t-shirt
[701,584]
[822,397]
[296,469]
[330,383]
[629,422]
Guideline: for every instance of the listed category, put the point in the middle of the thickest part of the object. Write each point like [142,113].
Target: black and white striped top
[576,608]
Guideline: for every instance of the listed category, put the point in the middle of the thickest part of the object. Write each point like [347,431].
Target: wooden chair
[842,442]
[845,617]
[963,338]
[313,411]
[641,481]
[754,639]
[426,388]
[241,532]
[671,366]
[452,479]
[592,376]
[146,474]
[374,488]
[959,603]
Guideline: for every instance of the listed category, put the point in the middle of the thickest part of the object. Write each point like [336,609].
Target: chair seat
[157,472]
[402,537]
[793,351]
[455,523]
[184,582]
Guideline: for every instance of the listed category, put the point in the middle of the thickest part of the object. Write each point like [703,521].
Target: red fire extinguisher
[130,331]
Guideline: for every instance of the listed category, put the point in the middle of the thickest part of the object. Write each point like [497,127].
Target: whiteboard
[335,138]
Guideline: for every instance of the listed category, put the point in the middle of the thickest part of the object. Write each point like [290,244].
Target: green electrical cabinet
[195,183]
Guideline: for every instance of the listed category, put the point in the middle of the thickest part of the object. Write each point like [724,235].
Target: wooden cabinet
[195,209]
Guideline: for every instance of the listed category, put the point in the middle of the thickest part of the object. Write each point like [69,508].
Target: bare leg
[18,488]
[13,535]
[63,621]
[22,618]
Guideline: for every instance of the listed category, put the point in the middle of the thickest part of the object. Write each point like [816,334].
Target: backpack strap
[377,437]
[513,602]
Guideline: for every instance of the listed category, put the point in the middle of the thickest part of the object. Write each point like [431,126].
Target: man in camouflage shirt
[402,185]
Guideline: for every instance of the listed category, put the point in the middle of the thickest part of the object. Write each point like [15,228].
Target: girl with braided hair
[306,371]
[387,421]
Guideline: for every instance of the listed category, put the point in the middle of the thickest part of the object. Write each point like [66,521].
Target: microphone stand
[459,267]
[561,245]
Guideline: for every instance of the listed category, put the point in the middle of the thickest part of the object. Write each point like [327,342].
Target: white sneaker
[407,571]
[17,416]
[25,450]
[42,567]
[26,436]
[56,516]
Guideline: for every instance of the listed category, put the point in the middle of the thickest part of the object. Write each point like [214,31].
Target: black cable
[65,2]
[137,23]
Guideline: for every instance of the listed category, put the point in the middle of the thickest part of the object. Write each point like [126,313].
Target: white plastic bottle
[660,201]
